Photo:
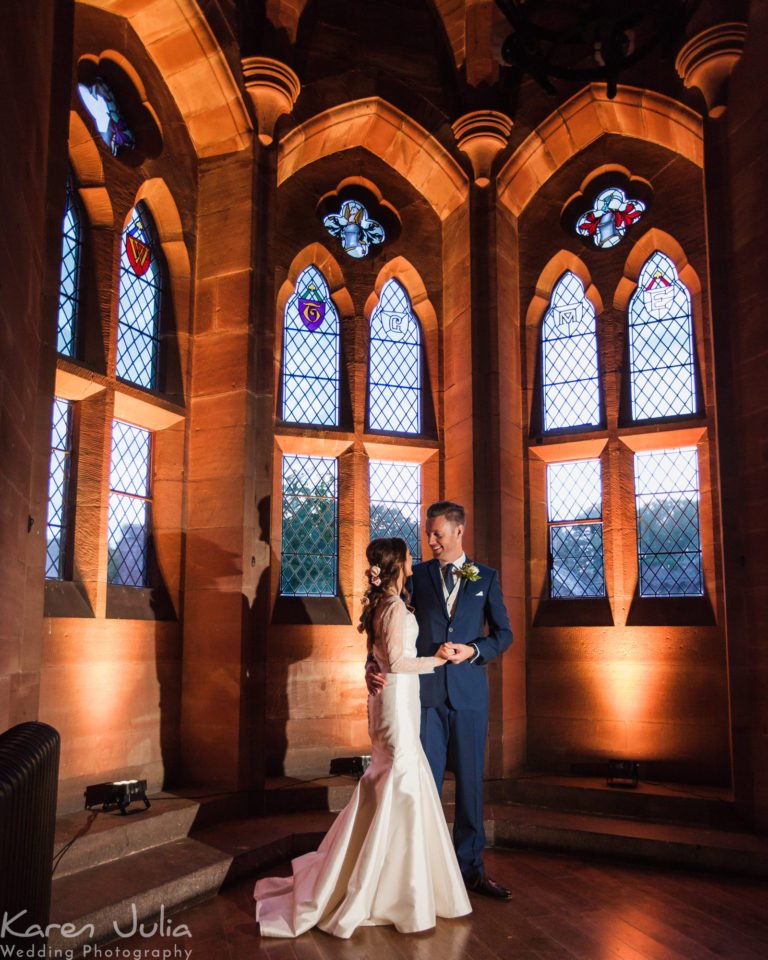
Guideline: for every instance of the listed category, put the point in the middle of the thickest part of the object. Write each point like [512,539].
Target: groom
[454,600]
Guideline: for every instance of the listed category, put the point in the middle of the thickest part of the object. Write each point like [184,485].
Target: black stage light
[623,773]
[116,793]
[349,766]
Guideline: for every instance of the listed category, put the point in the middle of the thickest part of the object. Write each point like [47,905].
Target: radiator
[29,770]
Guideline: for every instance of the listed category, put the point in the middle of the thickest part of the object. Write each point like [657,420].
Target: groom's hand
[461,652]
[375,680]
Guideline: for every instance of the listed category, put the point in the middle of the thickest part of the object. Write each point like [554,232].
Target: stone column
[705,63]
[497,463]
[230,453]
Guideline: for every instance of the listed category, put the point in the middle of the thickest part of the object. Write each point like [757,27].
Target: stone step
[113,897]
[288,795]
[92,906]
[729,851]
[137,887]
[93,837]
[665,803]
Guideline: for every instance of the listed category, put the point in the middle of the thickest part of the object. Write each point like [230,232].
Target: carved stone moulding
[273,88]
[481,134]
[707,60]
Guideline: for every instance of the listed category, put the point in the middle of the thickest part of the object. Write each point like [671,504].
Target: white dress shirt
[450,599]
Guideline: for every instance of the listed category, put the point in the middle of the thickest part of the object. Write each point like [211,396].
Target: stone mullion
[261,463]
[219,576]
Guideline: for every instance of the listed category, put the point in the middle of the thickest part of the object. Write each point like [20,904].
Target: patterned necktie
[448,577]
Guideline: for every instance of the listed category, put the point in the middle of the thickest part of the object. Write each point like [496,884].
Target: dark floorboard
[564,908]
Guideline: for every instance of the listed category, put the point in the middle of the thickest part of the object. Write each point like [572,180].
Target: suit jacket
[478,603]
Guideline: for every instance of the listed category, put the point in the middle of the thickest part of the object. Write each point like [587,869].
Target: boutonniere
[469,571]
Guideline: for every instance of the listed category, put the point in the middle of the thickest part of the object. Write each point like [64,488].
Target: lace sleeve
[390,634]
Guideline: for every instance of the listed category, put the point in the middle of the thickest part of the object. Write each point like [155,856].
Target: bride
[388,858]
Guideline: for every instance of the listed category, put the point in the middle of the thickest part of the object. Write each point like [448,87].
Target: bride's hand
[445,652]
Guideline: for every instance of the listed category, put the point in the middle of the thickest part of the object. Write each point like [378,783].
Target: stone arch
[651,241]
[409,277]
[562,262]
[88,170]
[178,39]
[587,116]
[395,138]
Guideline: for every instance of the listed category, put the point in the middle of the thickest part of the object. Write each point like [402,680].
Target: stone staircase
[119,871]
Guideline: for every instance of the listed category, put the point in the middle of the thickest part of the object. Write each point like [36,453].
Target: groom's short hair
[448,509]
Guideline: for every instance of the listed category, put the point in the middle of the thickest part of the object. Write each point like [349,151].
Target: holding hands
[455,652]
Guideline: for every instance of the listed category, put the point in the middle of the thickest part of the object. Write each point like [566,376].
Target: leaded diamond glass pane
[662,369]
[574,509]
[138,336]
[577,561]
[574,491]
[394,397]
[129,505]
[571,385]
[311,353]
[668,532]
[69,280]
[395,498]
[58,484]
[129,472]
[128,540]
[309,558]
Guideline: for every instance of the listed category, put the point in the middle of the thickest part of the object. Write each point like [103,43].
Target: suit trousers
[464,733]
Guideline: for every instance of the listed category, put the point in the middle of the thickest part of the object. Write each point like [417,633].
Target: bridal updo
[386,561]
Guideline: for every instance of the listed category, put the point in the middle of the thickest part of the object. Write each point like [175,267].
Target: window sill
[138,603]
[66,598]
[326,611]
[586,612]
[671,612]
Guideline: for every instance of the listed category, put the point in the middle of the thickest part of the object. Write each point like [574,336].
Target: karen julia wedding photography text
[14,931]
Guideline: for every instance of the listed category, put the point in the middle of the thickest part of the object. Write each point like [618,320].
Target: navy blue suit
[454,699]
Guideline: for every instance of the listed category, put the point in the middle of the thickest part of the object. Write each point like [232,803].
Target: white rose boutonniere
[469,571]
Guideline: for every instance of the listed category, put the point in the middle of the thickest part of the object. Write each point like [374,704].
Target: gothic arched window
[661,363]
[141,291]
[69,284]
[571,386]
[394,375]
[311,353]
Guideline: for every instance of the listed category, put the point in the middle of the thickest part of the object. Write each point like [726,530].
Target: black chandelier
[590,40]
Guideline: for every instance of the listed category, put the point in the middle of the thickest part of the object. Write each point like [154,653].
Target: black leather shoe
[489,888]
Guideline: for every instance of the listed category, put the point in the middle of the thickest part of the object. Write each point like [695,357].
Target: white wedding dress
[388,858]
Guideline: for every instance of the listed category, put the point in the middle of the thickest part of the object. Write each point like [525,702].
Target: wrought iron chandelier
[590,40]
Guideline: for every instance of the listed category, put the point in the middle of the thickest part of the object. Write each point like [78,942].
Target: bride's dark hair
[386,558]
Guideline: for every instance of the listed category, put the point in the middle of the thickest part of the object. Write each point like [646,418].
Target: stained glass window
[69,282]
[141,289]
[309,558]
[662,371]
[100,102]
[609,220]
[575,511]
[311,353]
[57,525]
[569,357]
[354,228]
[668,538]
[394,399]
[129,505]
[395,497]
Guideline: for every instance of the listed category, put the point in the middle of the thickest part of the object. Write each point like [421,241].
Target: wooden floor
[564,908]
